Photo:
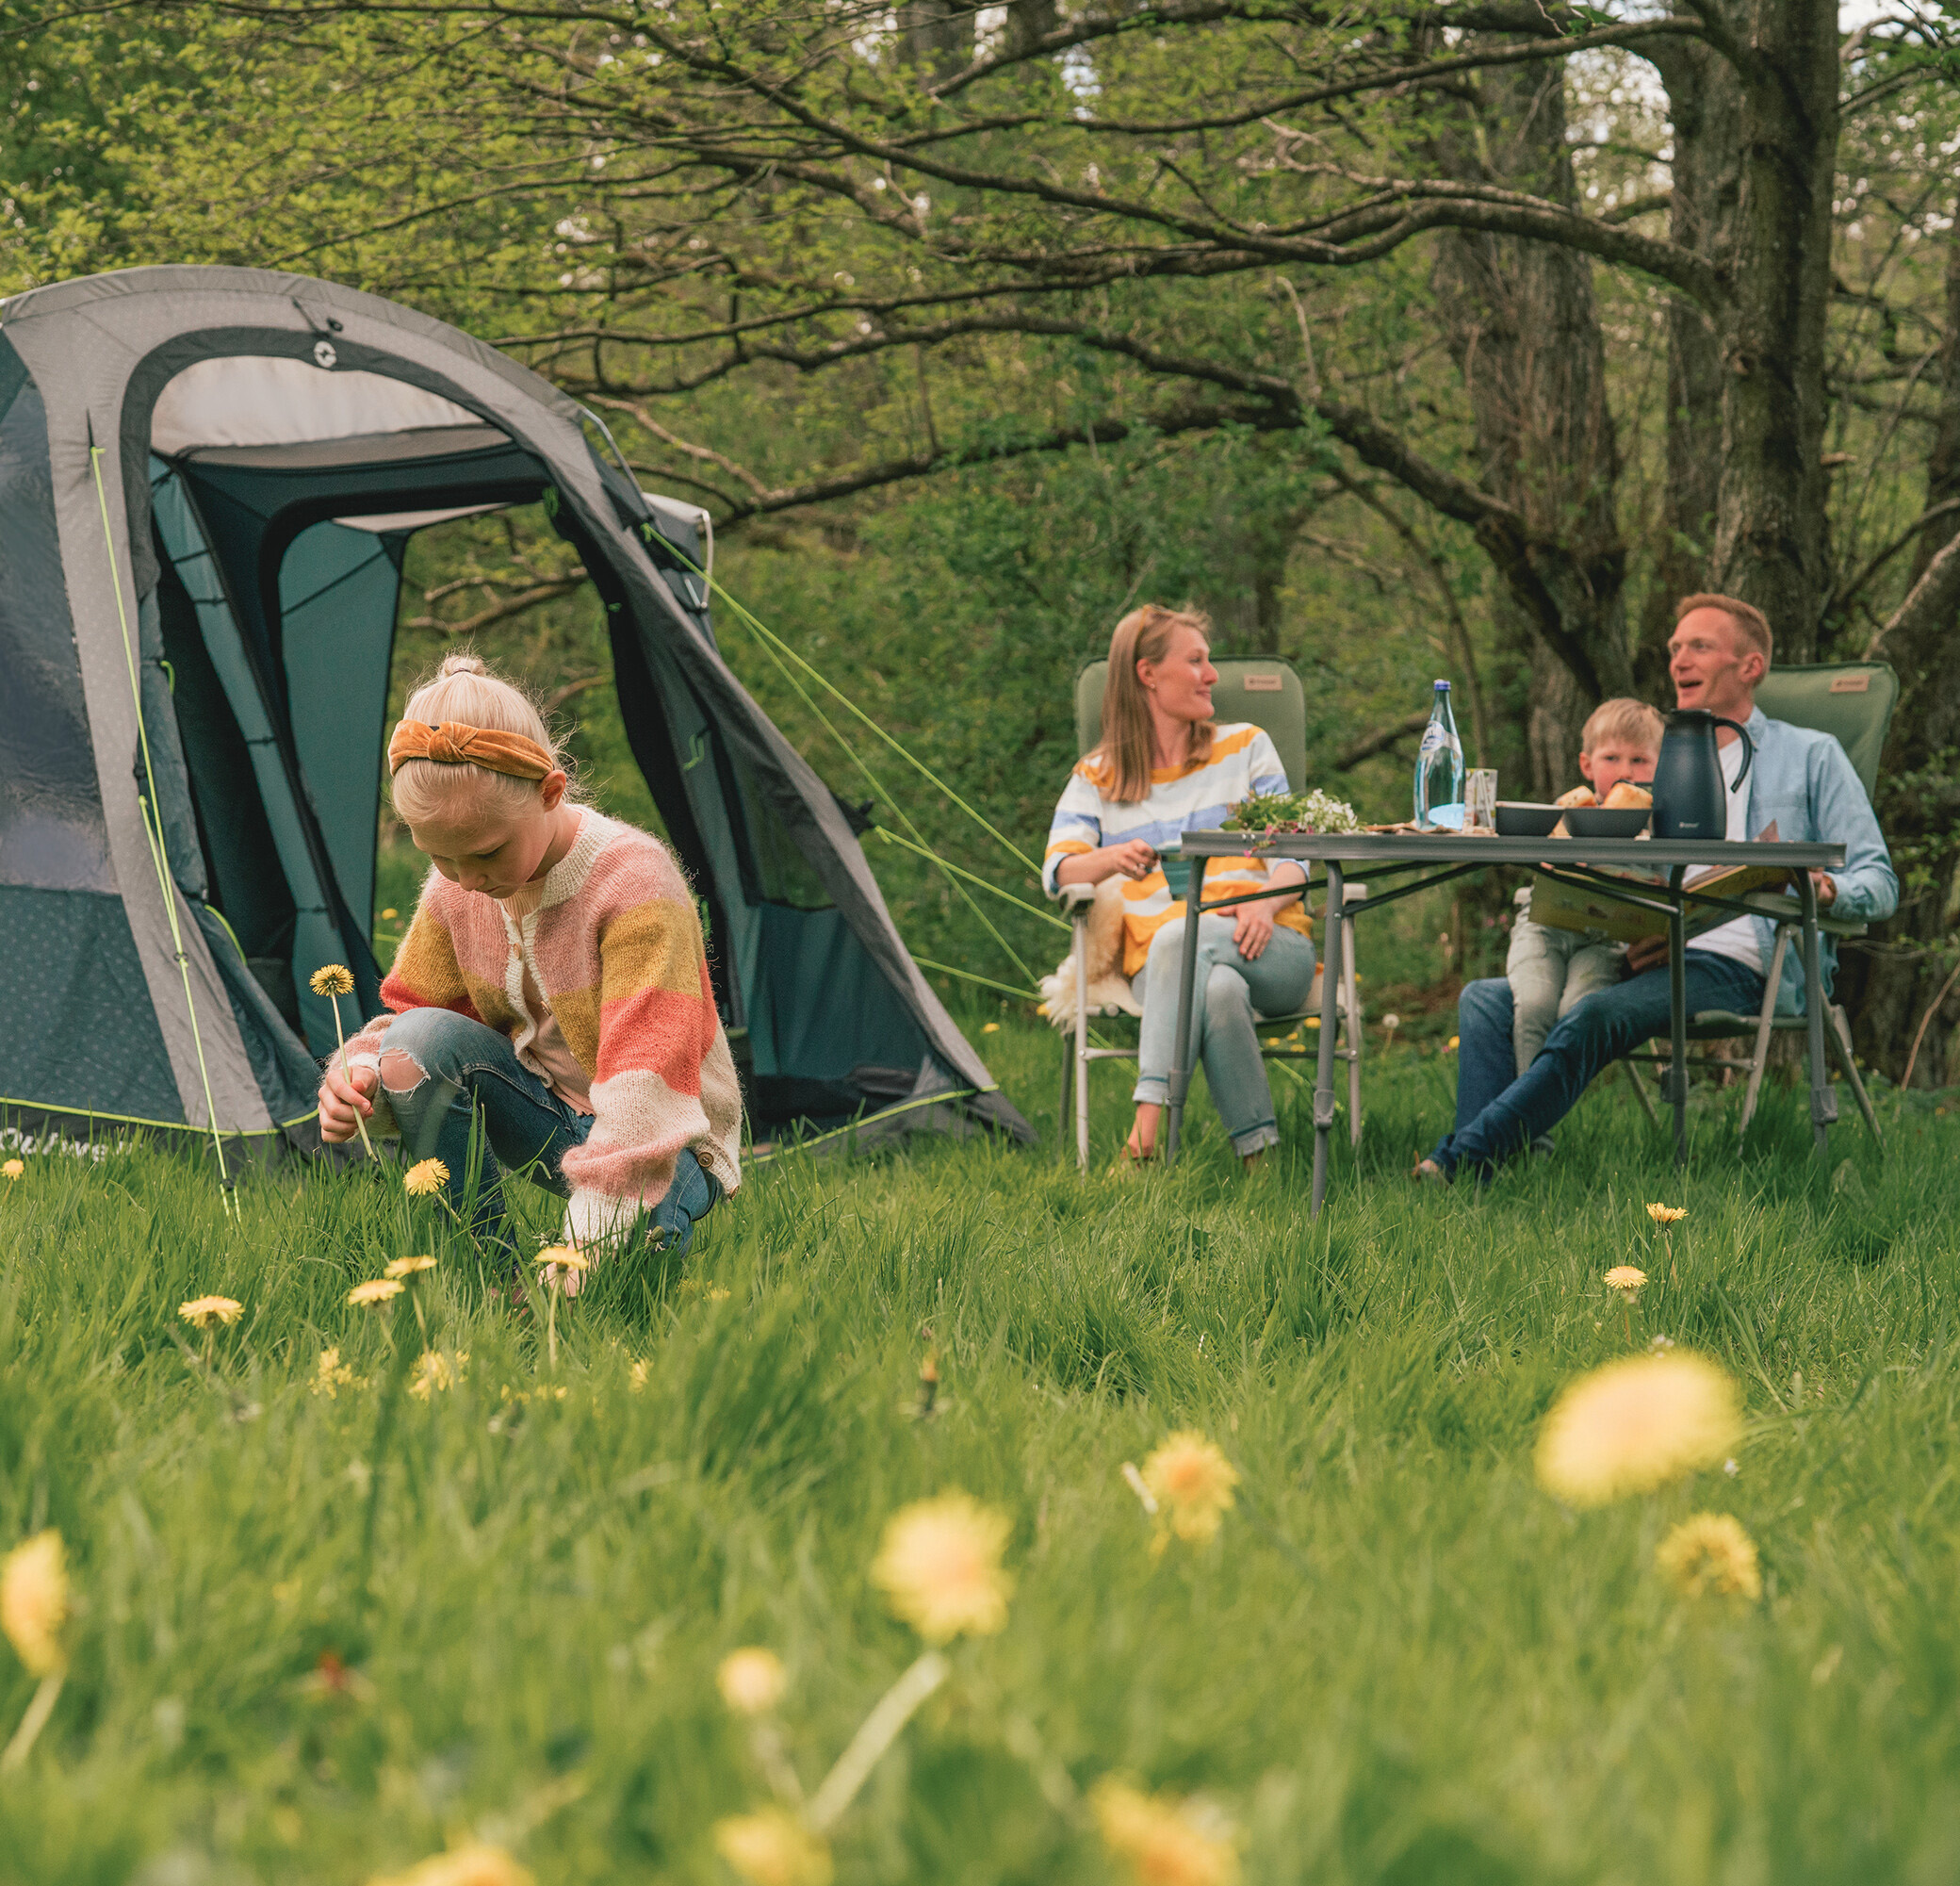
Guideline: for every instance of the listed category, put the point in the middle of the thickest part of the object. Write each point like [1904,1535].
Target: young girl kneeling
[553,982]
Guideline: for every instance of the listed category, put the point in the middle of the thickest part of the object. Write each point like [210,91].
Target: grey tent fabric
[207,480]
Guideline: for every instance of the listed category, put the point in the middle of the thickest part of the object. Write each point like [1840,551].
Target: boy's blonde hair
[1624,718]
[463,689]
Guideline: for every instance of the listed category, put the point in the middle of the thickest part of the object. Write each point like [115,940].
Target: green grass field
[1399,1661]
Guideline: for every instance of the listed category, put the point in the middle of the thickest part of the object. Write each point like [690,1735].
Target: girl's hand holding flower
[345,1101]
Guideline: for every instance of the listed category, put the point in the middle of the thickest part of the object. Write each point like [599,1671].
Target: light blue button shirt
[1802,781]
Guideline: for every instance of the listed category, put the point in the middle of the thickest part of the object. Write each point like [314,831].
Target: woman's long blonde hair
[1123,757]
[463,688]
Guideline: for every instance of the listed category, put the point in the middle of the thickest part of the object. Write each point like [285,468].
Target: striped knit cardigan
[616,948]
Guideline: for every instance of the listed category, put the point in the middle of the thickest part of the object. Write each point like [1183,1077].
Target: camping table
[1435,858]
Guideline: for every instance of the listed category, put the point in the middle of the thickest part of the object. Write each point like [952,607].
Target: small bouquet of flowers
[1271,812]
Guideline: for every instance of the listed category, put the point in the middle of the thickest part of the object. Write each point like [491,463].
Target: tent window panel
[241,857]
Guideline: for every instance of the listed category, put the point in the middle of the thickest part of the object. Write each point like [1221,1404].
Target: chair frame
[1077,900]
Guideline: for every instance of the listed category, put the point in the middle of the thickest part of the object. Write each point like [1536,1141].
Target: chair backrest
[1853,700]
[1260,688]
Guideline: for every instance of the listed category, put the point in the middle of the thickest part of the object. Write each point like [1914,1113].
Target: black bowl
[1607,821]
[1521,818]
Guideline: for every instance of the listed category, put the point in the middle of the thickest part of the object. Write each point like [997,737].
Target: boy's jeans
[1228,991]
[1551,972]
[1499,1112]
[469,1069]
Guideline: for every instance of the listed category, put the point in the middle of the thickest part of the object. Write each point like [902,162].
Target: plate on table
[1525,818]
[1607,821]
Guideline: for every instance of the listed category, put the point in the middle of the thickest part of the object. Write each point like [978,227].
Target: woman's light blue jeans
[469,1071]
[1228,990]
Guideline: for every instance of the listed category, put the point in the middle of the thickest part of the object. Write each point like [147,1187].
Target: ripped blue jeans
[459,1071]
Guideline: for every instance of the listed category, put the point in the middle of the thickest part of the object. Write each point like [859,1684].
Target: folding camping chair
[1267,692]
[1853,702]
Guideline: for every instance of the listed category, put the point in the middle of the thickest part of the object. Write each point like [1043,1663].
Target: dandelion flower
[772,1849]
[430,1374]
[1626,1280]
[425,1178]
[331,1375]
[939,1564]
[562,1261]
[202,1312]
[375,1290]
[471,1865]
[334,979]
[751,1681]
[13,1168]
[34,1603]
[1710,1553]
[1636,1424]
[408,1266]
[1192,1482]
[1664,1215]
[636,1377]
[389,915]
[1166,1841]
[1450,1046]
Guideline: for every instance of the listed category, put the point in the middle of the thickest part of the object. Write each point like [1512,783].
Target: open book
[1559,905]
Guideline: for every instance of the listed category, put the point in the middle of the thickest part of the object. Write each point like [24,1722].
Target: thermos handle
[1748,748]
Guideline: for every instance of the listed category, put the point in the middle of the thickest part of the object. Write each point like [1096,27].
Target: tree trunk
[1772,545]
[1920,787]
[1706,107]
[1523,327]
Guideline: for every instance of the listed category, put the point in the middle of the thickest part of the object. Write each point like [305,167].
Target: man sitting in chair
[1802,783]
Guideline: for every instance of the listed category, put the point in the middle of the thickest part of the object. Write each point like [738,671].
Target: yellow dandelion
[375,1290]
[331,1375]
[334,979]
[1166,1841]
[34,1603]
[431,1373]
[1636,1424]
[772,1849]
[202,1312]
[13,1168]
[1664,1215]
[752,1681]
[939,1565]
[471,1865]
[425,1178]
[389,915]
[1191,1482]
[990,1028]
[1710,1553]
[408,1266]
[1626,1280]
[1450,1046]
[562,1260]
[636,1377]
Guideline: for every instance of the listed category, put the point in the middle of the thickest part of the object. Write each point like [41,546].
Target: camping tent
[208,478]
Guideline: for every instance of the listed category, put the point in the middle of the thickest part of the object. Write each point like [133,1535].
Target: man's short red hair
[1751,625]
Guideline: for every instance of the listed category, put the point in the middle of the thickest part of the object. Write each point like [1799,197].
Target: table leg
[1330,1025]
[1180,1052]
[1677,1015]
[1823,1103]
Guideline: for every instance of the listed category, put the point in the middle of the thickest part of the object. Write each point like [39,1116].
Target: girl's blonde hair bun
[464,688]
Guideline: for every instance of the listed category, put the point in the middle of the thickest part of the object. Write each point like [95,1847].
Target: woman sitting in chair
[1164,766]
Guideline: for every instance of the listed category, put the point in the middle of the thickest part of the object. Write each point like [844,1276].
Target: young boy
[1553,970]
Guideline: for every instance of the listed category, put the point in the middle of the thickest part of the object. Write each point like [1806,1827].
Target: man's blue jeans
[1499,1111]
[470,1071]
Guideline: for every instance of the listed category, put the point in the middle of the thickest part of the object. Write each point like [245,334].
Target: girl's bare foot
[1426,1172]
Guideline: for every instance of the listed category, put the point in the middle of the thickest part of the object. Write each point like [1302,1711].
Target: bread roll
[1579,796]
[1626,795]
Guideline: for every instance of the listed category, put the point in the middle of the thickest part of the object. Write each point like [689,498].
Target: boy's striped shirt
[1196,798]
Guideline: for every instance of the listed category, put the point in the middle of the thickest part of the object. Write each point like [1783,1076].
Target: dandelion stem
[33,1722]
[551,1326]
[875,1734]
[360,1124]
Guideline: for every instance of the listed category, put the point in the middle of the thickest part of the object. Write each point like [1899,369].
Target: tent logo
[323,353]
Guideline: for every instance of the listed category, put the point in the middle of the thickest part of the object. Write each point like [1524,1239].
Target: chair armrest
[1075,900]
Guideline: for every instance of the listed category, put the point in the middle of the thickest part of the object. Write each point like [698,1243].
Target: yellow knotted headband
[455,743]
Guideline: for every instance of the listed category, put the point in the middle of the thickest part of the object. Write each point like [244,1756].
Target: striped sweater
[614,947]
[1182,798]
